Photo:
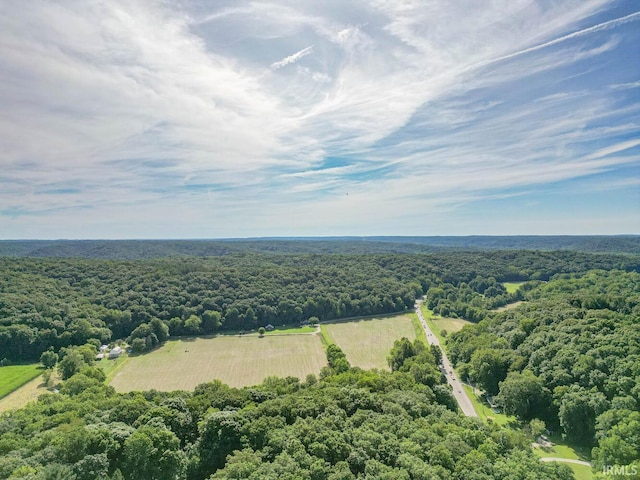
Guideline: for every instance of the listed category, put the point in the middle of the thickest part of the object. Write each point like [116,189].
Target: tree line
[59,303]
[149,249]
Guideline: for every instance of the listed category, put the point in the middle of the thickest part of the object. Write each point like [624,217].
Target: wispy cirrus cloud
[134,118]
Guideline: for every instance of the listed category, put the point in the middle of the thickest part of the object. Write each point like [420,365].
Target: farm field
[284,330]
[367,342]
[237,361]
[14,376]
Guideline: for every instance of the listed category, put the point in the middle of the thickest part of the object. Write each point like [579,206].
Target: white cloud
[593,29]
[618,147]
[174,108]
[292,58]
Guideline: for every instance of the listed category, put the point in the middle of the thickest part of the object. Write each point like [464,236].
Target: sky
[218,119]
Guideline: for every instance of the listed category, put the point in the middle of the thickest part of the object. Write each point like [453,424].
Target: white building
[115,352]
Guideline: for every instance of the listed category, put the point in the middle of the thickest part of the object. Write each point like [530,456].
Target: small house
[115,352]
[104,348]
[100,356]
[269,328]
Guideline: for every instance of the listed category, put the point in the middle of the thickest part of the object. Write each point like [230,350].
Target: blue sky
[198,119]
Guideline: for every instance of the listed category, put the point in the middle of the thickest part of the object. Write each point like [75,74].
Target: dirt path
[565,460]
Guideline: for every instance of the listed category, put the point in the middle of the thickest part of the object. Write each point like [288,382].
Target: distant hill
[140,249]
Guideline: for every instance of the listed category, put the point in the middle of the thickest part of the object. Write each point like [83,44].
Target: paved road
[565,460]
[458,392]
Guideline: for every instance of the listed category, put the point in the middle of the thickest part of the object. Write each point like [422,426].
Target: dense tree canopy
[574,347]
[61,302]
[349,425]
[568,355]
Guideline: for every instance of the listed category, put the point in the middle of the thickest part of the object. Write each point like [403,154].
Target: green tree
[220,434]
[192,324]
[337,359]
[619,434]
[78,383]
[524,395]
[489,367]
[92,467]
[537,427]
[401,351]
[211,321]
[46,377]
[49,359]
[153,452]
[160,328]
[578,411]
[71,364]
[138,345]
[437,353]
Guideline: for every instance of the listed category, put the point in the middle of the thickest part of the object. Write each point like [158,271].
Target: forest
[141,249]
[570,356]
[567,355]
[56,303]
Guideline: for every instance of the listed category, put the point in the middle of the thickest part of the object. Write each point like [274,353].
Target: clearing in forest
[451,325]
[367,342]
[512,287]
[238,361]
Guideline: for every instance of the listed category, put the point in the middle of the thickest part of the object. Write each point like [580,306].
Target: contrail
[596,28]
[292,58]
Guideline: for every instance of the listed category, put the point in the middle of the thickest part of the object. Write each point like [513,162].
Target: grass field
[284,330]
[437,324]
[279,330]
[111,366]
[417,327]
[237,361]
[14,376]
[512,286]
[449,324]
[581,472]
[561,451]
[367,342]
[484,410]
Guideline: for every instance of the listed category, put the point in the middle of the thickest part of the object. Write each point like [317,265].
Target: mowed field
[14,376]
[237,361]
[512,286]
[451,325]
[366,343]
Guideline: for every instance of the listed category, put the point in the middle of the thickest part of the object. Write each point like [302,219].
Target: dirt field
[368,342]
[236,361]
